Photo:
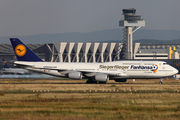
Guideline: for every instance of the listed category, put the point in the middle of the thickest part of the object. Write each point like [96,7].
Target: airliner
[101,72]
[18,71]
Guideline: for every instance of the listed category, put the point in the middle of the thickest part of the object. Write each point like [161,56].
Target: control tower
[131,23]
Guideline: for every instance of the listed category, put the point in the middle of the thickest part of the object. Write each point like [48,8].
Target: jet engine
[121,80]
[102,77]
[75,75]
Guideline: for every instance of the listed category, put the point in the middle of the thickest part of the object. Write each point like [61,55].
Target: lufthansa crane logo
[20,50]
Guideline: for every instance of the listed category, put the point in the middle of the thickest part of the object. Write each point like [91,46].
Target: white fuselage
[14,71]
[115,70]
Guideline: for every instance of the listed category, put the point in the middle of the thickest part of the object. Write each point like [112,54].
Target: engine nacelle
[121,80]
[102,77]
[75,75]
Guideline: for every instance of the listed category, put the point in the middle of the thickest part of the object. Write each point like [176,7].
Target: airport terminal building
[97,52]
[94,52]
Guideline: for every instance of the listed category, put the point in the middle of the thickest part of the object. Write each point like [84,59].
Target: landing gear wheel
[102,82]
[160,82]
[89,81]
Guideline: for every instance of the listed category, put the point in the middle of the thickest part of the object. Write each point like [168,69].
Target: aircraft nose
[175,71]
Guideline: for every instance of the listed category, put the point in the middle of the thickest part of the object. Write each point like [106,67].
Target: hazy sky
[30,17]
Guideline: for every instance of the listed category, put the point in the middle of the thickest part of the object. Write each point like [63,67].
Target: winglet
[23,53]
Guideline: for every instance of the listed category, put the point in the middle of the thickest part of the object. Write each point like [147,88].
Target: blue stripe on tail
[23,53]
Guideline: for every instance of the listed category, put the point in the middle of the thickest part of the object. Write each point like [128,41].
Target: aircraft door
[145,73]
[163,67]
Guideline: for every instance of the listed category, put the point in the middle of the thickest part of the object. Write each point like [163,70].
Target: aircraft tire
[160,82]
[89,81]
[102,82]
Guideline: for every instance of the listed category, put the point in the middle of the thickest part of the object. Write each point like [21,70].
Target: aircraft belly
[135,74]
[138,74]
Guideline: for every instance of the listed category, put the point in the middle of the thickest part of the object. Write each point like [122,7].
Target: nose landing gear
[160,82]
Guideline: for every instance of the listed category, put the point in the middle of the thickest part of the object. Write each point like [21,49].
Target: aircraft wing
[87,73]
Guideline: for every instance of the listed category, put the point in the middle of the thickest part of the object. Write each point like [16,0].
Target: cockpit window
[165,64]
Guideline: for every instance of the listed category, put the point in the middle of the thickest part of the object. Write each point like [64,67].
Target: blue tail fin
[23,53]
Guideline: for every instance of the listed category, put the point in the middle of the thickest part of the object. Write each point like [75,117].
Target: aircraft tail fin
[23,53]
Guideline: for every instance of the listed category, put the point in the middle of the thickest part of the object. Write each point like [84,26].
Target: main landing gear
[160,82]
[91,81]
